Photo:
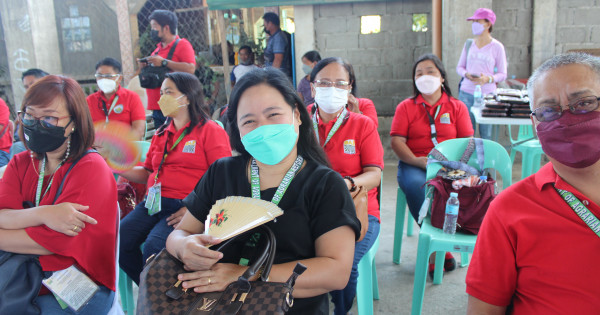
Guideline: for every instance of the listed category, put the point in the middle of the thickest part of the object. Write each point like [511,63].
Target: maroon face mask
[573,140]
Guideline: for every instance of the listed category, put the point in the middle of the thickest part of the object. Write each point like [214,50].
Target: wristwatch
[165,62]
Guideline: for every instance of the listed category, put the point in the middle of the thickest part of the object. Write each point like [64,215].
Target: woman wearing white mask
[114,102]
[354,149]
[431,116]
[180,153]
[482,62]
[309,61]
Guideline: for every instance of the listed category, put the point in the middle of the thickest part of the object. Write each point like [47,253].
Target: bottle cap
[453,194]
[483,177]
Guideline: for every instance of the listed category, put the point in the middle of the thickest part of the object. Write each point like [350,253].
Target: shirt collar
[420,100]
[160,47]
[331,122]
[171,128]
[117,92]
[548,176]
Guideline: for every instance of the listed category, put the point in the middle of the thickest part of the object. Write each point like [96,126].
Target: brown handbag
[161,293]
[361,203]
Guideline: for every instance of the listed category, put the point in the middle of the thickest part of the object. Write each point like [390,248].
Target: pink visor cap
[483,13]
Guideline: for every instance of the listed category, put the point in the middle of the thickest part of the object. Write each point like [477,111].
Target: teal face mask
[270,144]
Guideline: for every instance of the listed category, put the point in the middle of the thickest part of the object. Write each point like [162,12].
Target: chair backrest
[144,146]
[525,133]
[496,158]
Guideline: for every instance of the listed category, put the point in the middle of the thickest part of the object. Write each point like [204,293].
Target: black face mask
[41,140]
[266,31]
[154,36]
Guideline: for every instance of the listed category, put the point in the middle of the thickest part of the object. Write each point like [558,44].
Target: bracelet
[351,182]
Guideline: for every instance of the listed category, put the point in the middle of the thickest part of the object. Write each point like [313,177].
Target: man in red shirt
[163,25]
[5,133]
[113,102]
[539,245]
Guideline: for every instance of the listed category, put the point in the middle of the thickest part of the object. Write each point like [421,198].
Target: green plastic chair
[530,148]
[432,239]
[399,225]
[367,287]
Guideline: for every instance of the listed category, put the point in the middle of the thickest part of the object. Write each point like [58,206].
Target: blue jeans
[411,180]
[139,228]
[100,303]
[485,130]
[159,118]
[4,158]
[343,299]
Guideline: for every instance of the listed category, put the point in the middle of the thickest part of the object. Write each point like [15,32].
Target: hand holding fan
[235,215]
[115,141]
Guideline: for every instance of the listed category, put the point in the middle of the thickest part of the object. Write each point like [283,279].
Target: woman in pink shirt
[483,63]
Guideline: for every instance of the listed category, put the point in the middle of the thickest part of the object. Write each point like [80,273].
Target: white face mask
[428,84]
[107,85]
[330,99]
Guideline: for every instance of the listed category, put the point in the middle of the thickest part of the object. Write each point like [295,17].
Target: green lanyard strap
[582,211]
[333,130]
[38,191]
[166,153]
[283,186]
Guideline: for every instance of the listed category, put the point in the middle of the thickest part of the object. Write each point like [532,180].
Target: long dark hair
[438,64]
[329,60]
[308,146]
[190,86]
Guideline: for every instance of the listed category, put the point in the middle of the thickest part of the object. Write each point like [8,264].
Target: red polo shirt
[355,145]
[128,108]
[411,121]
[534,252]
[189,160]
[184,52]
[90,183]
[367,108]
[6,139]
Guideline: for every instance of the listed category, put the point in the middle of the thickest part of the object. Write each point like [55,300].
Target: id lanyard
[166,153]
[333,130]
[38,191]
[283,186]
[107,111]
[432,123]
[582,211]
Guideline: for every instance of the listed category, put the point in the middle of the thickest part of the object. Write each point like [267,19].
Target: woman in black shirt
[319,224]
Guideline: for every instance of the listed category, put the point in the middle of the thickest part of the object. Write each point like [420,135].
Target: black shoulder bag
[21,274]
[152,77]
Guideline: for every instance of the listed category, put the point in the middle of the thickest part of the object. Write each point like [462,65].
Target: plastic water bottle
[477,97]
[451,214]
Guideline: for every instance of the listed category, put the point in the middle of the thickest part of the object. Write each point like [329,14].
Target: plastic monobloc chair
[530,148]
[432,239]
[367,288]
[399,225]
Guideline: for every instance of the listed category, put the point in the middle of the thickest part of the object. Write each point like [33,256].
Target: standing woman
[272,131]
[309,61]
[180,153]
[484,64]
[354,149]
[57,130]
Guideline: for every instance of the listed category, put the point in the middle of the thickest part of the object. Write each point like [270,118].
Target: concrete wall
[577,25]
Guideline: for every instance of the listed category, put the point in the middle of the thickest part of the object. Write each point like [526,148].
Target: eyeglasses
[106,76]
[45,121]
[554,112]
[337,84]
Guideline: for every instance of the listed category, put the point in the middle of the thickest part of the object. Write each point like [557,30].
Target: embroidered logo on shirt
[118,109]
[349,146]
[445,119]
[189,147]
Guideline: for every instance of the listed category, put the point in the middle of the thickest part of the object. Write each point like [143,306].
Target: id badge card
[153,203]
[72,287]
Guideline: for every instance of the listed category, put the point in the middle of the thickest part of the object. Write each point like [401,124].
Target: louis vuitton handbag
[161,293]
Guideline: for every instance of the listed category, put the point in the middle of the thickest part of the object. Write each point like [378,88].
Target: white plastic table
[497,121]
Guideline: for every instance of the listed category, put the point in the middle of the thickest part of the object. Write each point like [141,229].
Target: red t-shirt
[411,121]
[367,108]
[184,52]
[128,108]
[189,160]
[355,145]
[6,139]
[90,183]
[534,252]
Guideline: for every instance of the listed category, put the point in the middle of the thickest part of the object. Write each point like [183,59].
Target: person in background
[6,137]
[246,57]
[309,61]
[277,53]
[29,77]
[163,25]
[114,102]
[79,227]
[413,137]
[484,64]
[180,153]
[273,133]
[552,213]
